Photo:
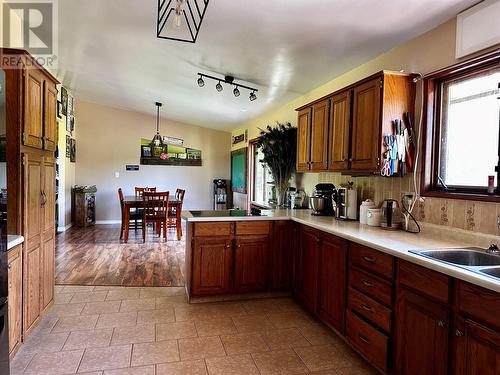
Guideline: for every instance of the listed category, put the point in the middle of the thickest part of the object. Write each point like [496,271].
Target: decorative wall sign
[173,141]
[169,154]
[240,138]
[68,146]
[239,170]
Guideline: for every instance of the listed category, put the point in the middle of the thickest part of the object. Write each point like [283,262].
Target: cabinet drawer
[212,229]
[370,309]
[487,310]
[372,286]
[368,341]
[252,227]
[430,283]
[371,260]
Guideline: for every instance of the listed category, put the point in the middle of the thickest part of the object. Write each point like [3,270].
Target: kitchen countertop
[396,243]
[14,240]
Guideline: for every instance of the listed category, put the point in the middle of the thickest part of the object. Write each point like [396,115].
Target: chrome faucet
[493,249]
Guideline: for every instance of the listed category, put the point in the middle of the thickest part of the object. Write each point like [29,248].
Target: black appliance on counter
[220,194]
[324,200]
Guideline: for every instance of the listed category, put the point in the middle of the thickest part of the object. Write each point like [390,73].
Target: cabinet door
[476,349]
[332,282]
[307,268]
[33,115]
[251,264]
[282,254]
[422,329]
[15,275]
[304,140]
[33,169]
[340,122]
[366,125]
[49,117]
[48,233]
[212,265]
[319,136]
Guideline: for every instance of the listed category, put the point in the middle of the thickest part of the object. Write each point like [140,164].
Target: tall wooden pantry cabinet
[31,105]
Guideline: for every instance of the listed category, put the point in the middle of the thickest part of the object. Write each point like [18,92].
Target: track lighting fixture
[230,81]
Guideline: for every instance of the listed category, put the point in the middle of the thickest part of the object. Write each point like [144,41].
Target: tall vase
[281,188]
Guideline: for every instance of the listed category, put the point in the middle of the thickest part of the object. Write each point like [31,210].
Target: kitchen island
[363,282]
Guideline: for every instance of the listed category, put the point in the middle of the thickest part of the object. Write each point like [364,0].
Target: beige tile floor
[154,331]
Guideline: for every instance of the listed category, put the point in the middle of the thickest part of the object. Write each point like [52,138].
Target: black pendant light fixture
[230,81]
[180,20]
[157,140]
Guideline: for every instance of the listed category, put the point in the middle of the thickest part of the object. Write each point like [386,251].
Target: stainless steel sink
[464,257]
[495,272]
[473,259]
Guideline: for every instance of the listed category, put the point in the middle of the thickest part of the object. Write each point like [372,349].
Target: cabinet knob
[238,246]
[440,323]
[459,333]
[369,259]
[228,246]
[9,266]
[317,239]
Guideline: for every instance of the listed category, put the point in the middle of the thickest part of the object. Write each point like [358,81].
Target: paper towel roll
[352,204]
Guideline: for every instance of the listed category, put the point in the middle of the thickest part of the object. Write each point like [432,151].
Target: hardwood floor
[95,256]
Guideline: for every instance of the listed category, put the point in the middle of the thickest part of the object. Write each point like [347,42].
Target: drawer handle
[369,259]
[459,333]
[367,283]
[364,339]
[366,307]
[440,323]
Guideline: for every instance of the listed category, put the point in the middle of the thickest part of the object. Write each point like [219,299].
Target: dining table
[135,202]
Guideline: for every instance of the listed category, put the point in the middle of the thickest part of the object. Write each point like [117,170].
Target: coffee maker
[324,200]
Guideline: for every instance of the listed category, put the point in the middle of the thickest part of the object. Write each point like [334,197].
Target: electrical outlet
[409,197]
[498,221]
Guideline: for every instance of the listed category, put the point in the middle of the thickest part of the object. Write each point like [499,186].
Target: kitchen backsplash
[468,215]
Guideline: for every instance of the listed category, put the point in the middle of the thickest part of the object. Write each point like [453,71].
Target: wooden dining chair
[155,206]
[135,217]
[173,221]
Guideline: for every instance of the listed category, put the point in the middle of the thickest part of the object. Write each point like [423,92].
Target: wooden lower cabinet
[284,242]
[306,286]
[332,281]
[212,265]
[422,331]
[15,290]
[476,349]
[251,271]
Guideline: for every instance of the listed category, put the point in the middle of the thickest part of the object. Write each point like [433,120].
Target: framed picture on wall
[72,157]
[145,151]
[69,115]
[68,146]
[239,170]
[64,101]
[59,110]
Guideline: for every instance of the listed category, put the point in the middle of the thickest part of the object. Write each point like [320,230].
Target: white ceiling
[109,53]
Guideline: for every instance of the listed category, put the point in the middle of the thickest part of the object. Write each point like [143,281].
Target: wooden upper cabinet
[33,108]
[339,141]
[422,330]
[319,136]
[366,125]
[49,116]
[304,140]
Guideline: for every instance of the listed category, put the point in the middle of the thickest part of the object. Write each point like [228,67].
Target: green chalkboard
[239,170]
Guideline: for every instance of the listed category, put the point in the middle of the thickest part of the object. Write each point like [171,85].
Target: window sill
[461,195]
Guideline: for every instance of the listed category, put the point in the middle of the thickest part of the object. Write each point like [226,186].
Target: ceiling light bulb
[177,17]
[252,96]
[218,87]
[236,91]
[201,82]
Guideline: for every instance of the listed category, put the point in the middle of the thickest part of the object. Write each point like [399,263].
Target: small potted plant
[279,147]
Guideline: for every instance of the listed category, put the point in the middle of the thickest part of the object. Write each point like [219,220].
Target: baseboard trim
[104,222]
[65,228]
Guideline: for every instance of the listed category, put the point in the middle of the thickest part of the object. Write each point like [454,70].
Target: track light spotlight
[218,86]
[236,91]
[201,82]
[252,96]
